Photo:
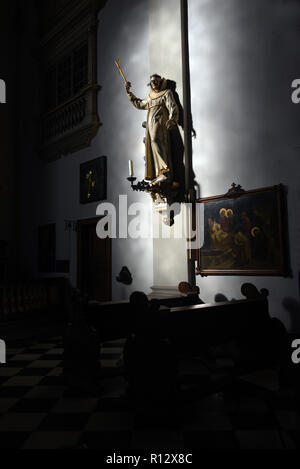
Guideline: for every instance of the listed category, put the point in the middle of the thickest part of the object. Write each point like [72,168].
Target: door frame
[87,222]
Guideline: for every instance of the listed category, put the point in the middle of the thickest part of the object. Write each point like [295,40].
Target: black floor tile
[34,405]
[110,356]
[283,403]
[54,356]
[42,350]
[64,422]
[210,440]
[17,364]
[3,379]
[13,440]
[106,440]
[294,436]
[52,380]
[254,421]
[107,404]
[33,372]
[13,391]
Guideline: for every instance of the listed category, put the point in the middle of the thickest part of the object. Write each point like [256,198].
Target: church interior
[127,325]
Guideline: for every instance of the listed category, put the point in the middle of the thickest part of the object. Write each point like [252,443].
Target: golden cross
[91,183]
[117,62]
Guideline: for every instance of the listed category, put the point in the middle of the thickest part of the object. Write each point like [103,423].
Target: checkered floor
[37,413]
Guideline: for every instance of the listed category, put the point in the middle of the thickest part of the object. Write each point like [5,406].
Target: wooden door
[94,262]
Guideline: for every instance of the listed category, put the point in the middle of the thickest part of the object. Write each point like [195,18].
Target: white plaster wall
[124,34]
[51,191]
[169,255]
[244,56]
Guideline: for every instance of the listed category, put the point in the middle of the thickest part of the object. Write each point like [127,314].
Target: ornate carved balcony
[70,126]
[68,62]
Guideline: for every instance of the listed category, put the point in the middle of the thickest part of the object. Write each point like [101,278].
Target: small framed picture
[93,177]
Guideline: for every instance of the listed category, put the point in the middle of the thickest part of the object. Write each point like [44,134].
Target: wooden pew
[213,323]
[194,326]
[114,319]
[258,338]
[217,323]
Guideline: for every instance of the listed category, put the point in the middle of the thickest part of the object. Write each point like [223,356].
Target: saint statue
[164,147]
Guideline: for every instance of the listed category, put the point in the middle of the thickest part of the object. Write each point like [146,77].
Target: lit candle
[130,168]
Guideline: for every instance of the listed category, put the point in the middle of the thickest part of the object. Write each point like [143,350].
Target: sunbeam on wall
[244,56]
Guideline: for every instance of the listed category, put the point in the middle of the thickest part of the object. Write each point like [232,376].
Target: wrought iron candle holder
[131,179]
[163,194]
[166,191]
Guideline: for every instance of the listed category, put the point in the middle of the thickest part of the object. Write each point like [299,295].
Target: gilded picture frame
[242,233]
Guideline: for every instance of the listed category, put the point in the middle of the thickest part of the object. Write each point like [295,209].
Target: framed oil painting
[242,233]
[93,176]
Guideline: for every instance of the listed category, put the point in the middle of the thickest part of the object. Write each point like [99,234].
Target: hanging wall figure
[164,147]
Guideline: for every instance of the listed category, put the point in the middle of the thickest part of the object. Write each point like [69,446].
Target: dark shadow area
[176,141]
[150,366]
[219,297]
[157,366]
[125,276]
[292,306]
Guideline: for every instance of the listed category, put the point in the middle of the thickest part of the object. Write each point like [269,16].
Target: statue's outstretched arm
[138,103]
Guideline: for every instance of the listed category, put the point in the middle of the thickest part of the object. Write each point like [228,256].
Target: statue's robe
[164,148]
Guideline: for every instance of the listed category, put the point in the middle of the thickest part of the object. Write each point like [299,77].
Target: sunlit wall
[244,56]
